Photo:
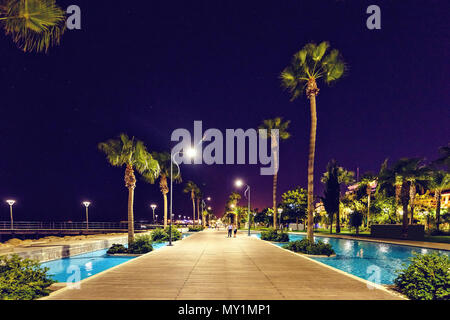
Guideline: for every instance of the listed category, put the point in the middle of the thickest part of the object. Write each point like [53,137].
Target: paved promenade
[208,265]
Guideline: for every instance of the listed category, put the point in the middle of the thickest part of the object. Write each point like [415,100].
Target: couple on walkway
[230,230]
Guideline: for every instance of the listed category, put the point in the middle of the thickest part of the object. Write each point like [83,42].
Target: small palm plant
[164,162]
[191,188]
[133,155]
[280,125]
[311,63]
[34,25]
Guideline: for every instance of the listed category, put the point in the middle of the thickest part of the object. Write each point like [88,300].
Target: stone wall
[49,251]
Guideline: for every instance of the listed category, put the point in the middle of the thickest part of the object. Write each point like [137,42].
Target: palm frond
[34,25]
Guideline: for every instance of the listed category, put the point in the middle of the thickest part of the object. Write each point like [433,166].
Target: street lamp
[280,210]
[239,183]
[153,206]
[156,219]
[11,203]
[86,204]
[191,154]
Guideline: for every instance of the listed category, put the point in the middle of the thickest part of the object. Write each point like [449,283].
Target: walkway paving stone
[208,265]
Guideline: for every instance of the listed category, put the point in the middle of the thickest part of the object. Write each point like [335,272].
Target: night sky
[149,67]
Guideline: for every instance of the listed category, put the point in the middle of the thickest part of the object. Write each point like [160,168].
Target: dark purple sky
[150,67]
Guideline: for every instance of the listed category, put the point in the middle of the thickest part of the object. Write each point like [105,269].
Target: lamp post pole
[190,153]
[11,203]
[153,206]
[86,204]
[240,183]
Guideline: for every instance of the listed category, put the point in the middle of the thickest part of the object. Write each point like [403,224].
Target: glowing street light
[153,206]
[86,204]
[11,203]
[191,152]
[208,198]
[239,183]
[280,211]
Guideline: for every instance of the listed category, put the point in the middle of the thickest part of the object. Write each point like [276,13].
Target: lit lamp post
[156,219]
[11,203]
[191,154]
[153,206]
[86,204]
[239,183]
[280,210]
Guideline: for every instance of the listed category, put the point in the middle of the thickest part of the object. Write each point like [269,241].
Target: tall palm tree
[409,171]
[278,124]
[164,162]
[190,187]
[440,181]
[311,63]
[133,155]
[368,182]
[34,25]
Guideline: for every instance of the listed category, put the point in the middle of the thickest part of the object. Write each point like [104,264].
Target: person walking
[235,231]
[230,229]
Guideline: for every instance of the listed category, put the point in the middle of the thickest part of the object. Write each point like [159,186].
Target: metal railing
[36,225]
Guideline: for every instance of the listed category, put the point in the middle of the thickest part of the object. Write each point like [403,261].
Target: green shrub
[159,235]
[273,235]
[176,234]
[195,229]
[426,278]
[307,247]
[22,279]
[141,244]
[162,235]
[117,248]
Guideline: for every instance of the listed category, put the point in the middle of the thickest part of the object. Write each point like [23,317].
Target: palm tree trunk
[331,224]
[198,209]
[130,215]
[368,210]
[193,209]
[274,200]
[438,208]
[404,197]
[165,190]
[130,183]
[338,220]
[311,93]
[412,198]
[165,209]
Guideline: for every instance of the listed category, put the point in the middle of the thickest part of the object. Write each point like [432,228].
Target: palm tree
[307,66]
[34,25]
[269,125]
[133,155]
[409,172]
[440,181]
[163,159]
[444,159]
[190,187]
[368,181]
